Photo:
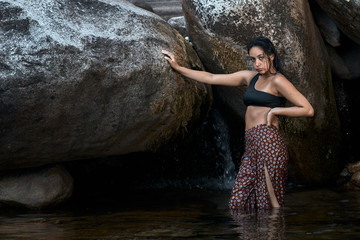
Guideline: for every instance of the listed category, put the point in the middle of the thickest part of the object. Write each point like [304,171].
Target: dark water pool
[189,214]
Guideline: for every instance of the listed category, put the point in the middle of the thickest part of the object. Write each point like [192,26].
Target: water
[188,214]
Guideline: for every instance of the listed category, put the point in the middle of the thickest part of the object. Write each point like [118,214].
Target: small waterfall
[208,162]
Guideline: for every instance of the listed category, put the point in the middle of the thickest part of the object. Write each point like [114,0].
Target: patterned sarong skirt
[264,146]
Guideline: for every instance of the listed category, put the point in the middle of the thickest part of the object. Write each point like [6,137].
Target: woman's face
[260,60]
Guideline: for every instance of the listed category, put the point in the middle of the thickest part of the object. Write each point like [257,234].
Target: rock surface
[355,179]
[38,189]
[85,79]
[353,167]
[330,32]
[220,31]
[164,8]
[346,15]
[179,24]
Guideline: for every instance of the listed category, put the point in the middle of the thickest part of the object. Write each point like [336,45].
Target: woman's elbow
[310,112]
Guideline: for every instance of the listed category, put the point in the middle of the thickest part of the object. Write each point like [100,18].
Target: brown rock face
[329,31]
[346,15]
[220,31]
[85,79]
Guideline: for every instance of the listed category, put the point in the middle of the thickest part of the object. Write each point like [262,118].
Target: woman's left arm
[301,108]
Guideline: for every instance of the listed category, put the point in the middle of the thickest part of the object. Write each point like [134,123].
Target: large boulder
[329,31]
[344,56]
[36,189]
[345,14]
[85,79]
[220,31]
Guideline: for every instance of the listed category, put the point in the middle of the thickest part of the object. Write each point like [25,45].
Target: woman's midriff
[256,115]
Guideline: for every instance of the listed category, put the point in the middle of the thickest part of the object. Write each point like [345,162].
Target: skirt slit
[264,147]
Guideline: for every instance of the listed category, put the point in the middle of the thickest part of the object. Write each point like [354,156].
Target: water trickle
[204,163]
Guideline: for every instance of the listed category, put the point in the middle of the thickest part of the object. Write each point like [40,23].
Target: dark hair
[268,47]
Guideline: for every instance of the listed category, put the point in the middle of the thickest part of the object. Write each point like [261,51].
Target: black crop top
[253,97]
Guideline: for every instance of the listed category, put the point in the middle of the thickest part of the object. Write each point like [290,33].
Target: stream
[326,213]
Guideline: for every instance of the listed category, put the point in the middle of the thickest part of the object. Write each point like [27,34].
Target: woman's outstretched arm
[232,79]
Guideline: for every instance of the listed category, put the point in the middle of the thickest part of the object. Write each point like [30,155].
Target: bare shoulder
[280,81]
[284,87]
[279,78]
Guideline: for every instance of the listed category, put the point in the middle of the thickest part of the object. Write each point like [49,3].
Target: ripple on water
[189,214]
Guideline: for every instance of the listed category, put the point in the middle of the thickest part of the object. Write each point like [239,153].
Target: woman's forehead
[256,51]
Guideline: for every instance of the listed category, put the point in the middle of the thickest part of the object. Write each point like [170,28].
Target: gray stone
[38,189]
[143,5]
[85,79]
[164,8]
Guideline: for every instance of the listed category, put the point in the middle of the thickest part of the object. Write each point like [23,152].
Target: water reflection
[185,214]
[264,224]
[30,226]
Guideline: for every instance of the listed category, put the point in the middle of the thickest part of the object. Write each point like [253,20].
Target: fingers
[270,118]
[166,52]
[168,55]
[170,58]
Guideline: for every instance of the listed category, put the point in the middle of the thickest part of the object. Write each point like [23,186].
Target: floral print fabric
[264,146]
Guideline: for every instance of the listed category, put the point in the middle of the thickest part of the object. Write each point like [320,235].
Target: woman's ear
[272,57]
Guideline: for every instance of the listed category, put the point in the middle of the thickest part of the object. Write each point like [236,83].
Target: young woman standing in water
[261,179]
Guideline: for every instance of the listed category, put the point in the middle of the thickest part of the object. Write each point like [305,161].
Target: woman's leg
[273,200]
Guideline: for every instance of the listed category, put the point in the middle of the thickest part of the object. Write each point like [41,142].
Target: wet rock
[38,189]
[345,14]
[86,79]
[220,31]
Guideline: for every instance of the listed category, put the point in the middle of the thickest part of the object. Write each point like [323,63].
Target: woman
[261,180]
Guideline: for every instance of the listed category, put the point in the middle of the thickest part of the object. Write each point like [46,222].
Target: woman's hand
[272,119]
[170,58]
